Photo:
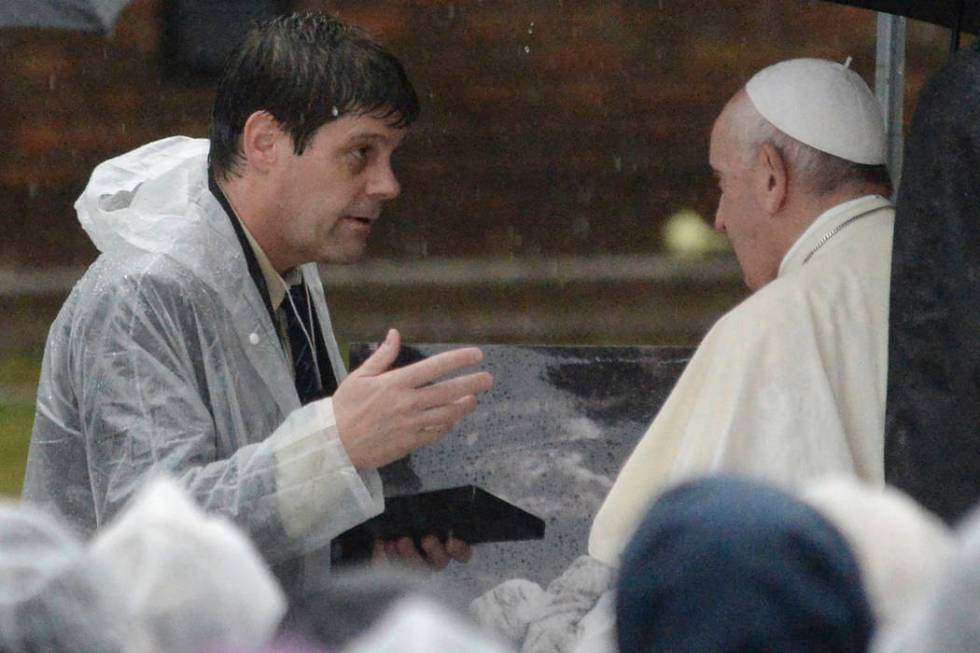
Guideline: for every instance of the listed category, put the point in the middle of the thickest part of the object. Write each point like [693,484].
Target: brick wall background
[548,126]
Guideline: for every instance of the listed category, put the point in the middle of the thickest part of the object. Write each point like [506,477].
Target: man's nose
[384,184]
[719,222]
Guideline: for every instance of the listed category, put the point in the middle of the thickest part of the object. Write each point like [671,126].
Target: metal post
[890,86]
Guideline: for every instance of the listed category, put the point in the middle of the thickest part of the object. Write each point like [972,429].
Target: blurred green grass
[19,372]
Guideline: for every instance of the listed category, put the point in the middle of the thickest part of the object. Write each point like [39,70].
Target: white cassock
[788,385]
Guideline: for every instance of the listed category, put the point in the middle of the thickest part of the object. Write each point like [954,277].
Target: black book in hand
[468,513]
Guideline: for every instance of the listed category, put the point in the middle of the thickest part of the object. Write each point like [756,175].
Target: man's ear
[262,141]
[772,178]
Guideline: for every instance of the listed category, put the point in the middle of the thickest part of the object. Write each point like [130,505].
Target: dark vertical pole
[954,37]
[890,86]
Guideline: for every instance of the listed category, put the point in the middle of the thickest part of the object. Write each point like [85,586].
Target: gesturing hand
[383,415]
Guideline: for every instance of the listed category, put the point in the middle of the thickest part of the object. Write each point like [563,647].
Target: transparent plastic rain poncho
[190,580]
[164,358]
[53,596]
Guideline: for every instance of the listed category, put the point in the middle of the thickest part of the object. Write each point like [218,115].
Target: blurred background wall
[558,140]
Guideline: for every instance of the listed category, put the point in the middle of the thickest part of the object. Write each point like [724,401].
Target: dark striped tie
[309,384]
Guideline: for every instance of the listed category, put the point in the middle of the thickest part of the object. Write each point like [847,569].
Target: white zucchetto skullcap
[823,104]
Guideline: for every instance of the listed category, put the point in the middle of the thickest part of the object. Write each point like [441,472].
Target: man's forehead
[366,127]
[720,136]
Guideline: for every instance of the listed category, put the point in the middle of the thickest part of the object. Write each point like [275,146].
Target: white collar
[823,224]
[277,284]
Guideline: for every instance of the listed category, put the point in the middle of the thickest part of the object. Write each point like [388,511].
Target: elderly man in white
[790,384]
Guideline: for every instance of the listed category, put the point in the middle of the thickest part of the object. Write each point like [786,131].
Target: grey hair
[817,172]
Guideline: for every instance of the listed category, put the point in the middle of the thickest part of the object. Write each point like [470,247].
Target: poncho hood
[140,199]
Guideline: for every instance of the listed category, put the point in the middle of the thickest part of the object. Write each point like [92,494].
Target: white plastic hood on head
[193,581]
[901,547]
[54,597]
[945,620]
[823,104]
[130,200]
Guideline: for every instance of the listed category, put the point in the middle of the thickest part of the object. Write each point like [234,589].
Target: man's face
[740,215]
[332,194]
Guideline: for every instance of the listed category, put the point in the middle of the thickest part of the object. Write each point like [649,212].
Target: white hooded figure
[54,595]
[947,618]
[192,581]
[901,547]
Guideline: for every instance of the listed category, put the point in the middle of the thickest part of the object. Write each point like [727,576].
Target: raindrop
[253,338]
[33,189]
[52,82]
[581,226]
[527,49]
[618,163]
[334,112]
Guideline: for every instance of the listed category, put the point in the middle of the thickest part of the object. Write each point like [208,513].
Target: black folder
[467,512]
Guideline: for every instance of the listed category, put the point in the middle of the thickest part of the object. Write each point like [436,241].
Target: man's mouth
[363,220]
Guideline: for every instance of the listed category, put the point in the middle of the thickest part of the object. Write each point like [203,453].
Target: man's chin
[346,256]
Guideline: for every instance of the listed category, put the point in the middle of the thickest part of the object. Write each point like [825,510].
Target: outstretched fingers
[382,358]
[450,390]
[443,418]
[428,370]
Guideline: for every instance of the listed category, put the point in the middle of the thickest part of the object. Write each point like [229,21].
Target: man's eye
[361,153]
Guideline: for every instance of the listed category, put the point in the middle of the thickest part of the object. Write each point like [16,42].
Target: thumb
[381,360]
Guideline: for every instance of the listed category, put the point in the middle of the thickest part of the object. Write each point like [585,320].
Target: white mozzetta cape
[787,386]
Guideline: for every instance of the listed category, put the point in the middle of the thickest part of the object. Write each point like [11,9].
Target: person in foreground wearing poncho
[790,384]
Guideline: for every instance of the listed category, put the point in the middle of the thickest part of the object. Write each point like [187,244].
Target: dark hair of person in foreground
[726,564]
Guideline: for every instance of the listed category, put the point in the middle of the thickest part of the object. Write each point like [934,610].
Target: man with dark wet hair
[306,70]
[199,343]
